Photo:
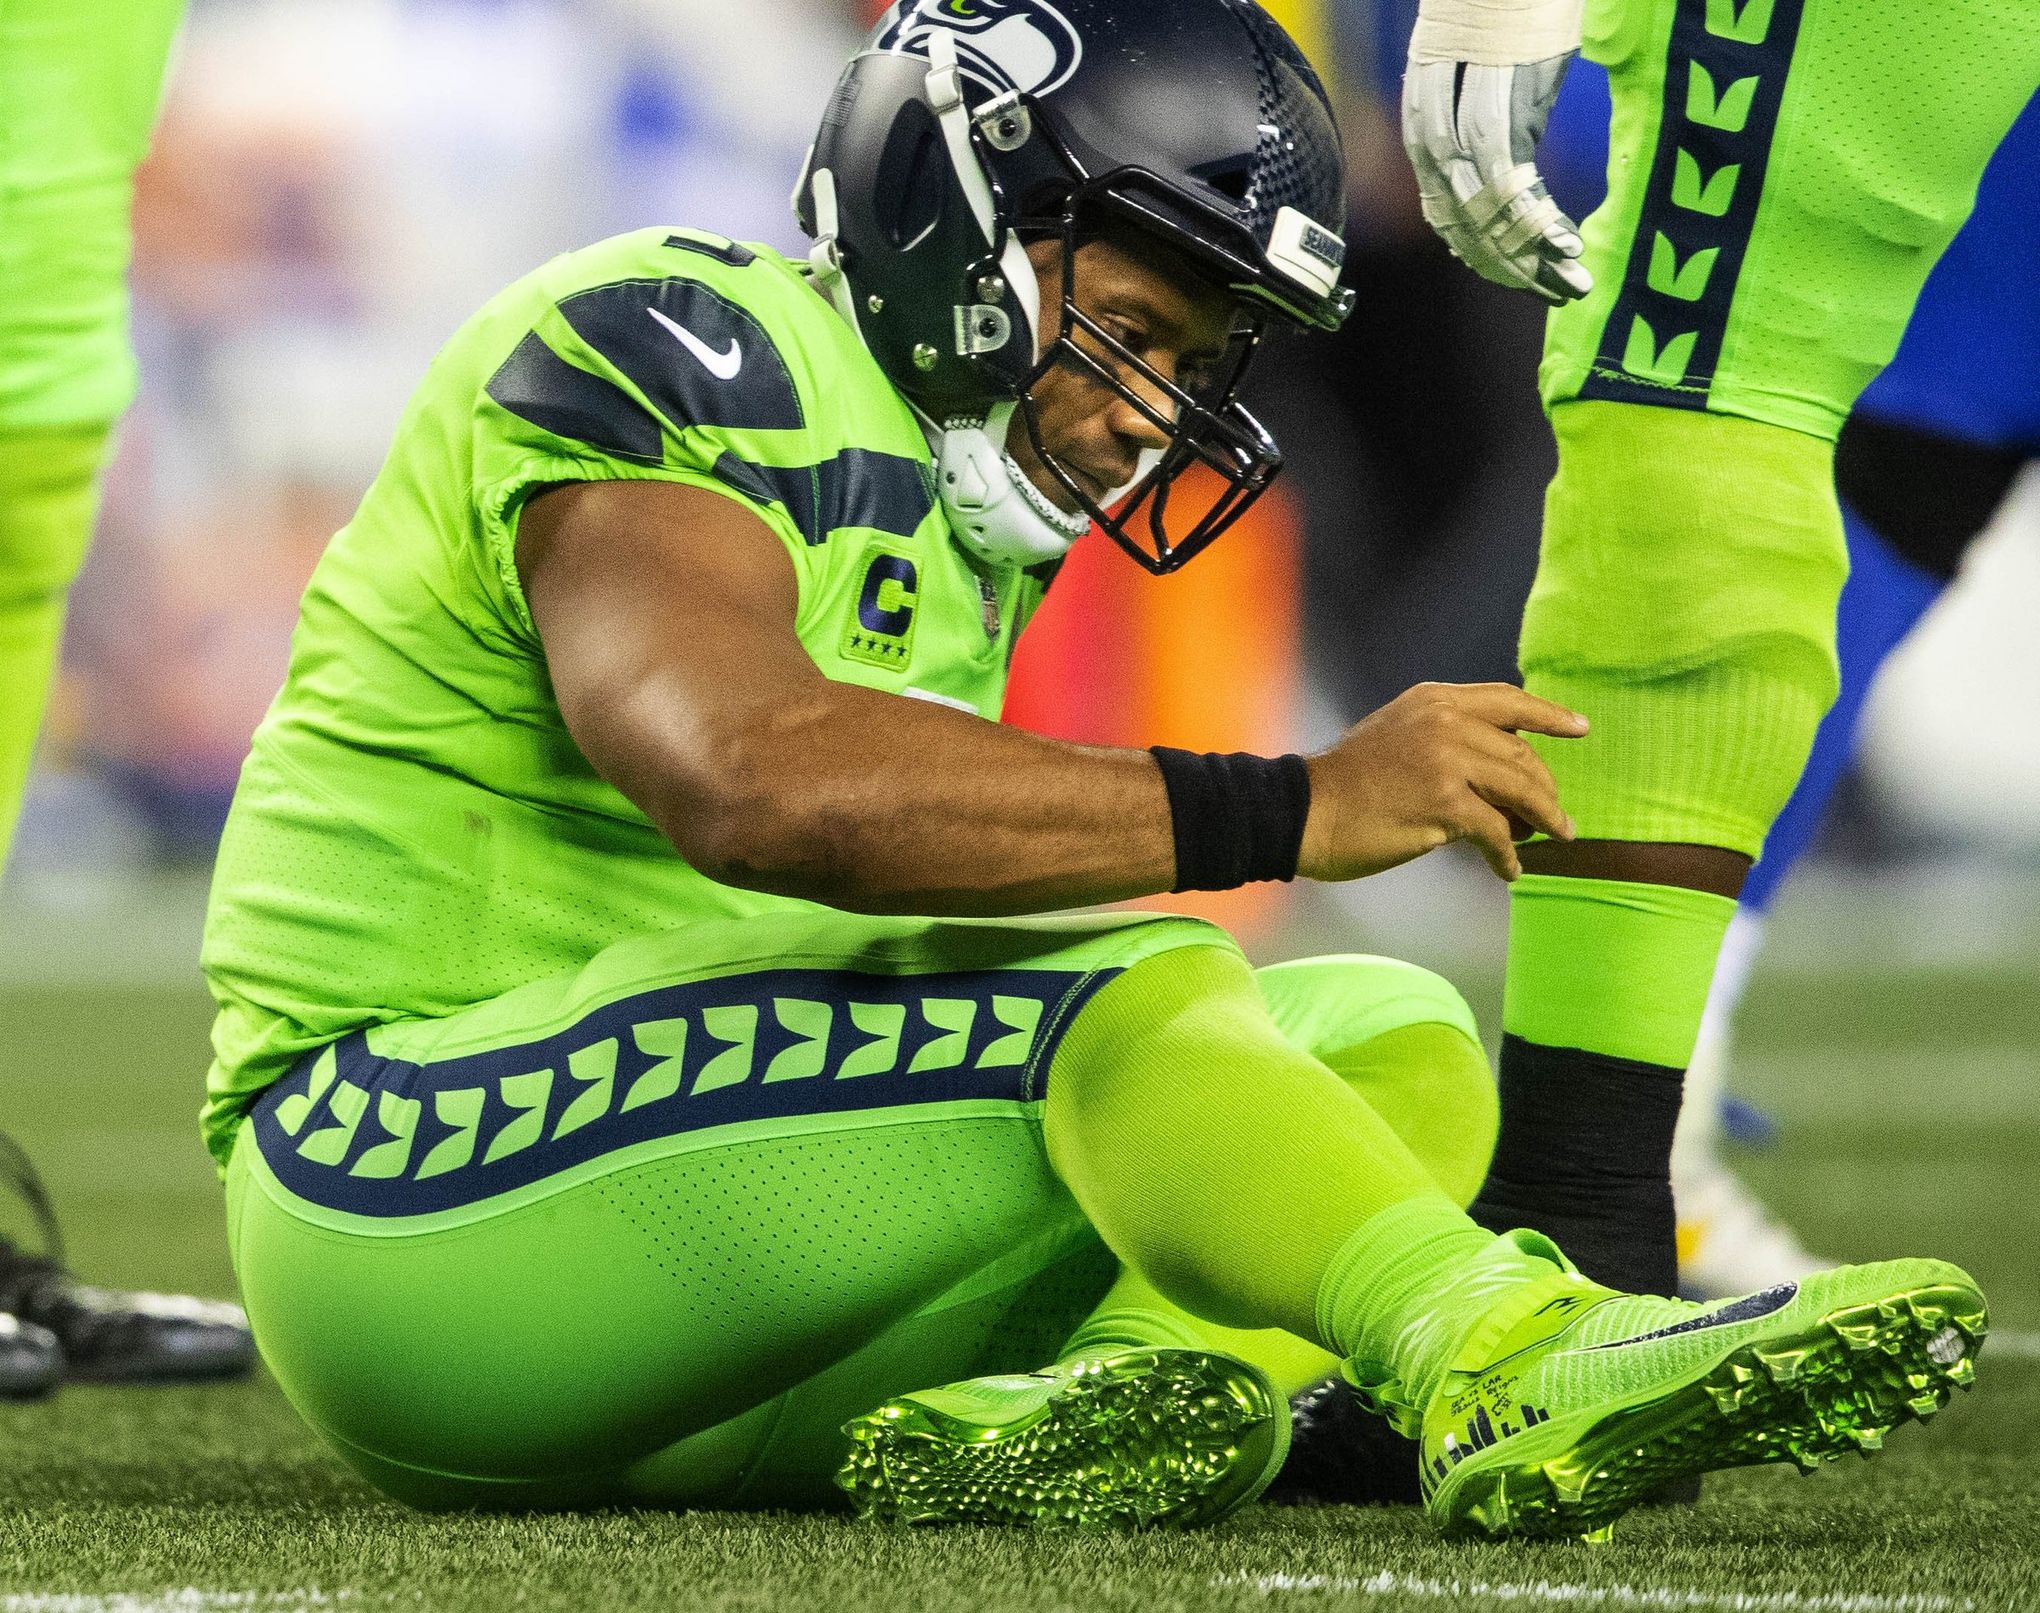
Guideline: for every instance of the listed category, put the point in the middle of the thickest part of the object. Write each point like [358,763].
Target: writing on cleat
[1947,1346]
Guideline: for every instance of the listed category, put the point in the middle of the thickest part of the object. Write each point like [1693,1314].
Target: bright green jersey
[79,81]
[415,831]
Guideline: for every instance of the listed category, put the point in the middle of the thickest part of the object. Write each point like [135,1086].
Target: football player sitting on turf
[634,1062]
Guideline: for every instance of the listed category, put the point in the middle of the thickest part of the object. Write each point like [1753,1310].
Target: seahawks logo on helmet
[1024,45]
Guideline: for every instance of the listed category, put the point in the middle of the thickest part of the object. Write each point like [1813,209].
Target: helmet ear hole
[911,177]
[1230,182]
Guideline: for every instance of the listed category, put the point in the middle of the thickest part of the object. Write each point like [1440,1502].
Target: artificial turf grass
[146,1492]
[1893,1142]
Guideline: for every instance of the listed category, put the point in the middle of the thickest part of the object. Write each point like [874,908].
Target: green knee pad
[1685,602]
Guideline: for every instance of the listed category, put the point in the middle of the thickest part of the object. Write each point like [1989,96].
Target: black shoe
[1341,1452]
[30,1362]
[107,1335]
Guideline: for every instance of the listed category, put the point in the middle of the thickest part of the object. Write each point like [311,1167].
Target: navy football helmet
[967,128]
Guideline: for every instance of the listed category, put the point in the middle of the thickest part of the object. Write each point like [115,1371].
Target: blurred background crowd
[336,184]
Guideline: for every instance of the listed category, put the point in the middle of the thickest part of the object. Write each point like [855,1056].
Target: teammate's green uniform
[608,1153]
[79,81]
[1782,176]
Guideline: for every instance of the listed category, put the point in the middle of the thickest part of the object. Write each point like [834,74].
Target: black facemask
[1210,429]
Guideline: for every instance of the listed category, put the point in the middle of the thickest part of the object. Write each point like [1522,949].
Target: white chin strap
[994,508]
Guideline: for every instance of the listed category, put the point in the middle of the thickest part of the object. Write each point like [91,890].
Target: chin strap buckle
[981,327]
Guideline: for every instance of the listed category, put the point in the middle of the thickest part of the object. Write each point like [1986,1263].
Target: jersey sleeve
[673,377]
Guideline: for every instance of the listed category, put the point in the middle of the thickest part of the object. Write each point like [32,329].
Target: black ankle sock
[1342,1453]
[1585,1158]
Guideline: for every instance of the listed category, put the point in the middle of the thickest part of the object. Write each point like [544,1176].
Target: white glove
[1483,75]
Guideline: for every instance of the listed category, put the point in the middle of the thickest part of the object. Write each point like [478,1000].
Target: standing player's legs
[1783,174]
[48,492]
[1922,467]
[79,82]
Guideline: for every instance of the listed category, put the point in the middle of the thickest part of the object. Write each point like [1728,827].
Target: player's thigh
[526,1244]
[1326,1004]
[1783,174]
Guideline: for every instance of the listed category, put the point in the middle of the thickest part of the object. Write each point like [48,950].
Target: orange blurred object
[1207,658]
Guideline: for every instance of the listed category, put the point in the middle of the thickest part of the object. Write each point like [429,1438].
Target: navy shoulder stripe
[858,487]
[537,385]
[699,358]
[722,251]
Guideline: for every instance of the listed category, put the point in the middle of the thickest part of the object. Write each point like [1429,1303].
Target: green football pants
[1782,176]
[652,1230]
[49,485]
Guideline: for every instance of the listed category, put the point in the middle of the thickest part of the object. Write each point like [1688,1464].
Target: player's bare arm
[668,619]
[667,615]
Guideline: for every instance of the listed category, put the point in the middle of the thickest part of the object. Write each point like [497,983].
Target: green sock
[1410,1284]
[1248,1182]
[1611,967]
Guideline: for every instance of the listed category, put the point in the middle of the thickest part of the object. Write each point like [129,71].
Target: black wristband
[1236,818]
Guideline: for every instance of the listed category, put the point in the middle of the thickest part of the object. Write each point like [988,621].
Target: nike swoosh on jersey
[723,366]
[1746,1309]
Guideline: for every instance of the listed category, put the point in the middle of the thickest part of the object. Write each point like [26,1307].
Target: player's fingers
[1506,706]
[1475,250]
[1487,829]
[1524,794]
[1563,279]
[1503,744]
[1427,125]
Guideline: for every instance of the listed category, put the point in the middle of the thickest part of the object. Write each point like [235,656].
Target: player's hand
[1471,131]
[1442,762]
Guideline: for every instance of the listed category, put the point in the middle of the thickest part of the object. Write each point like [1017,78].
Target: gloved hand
[1483,75]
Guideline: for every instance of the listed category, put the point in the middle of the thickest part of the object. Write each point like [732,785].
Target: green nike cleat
[1569,1403]
[1170,1438]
